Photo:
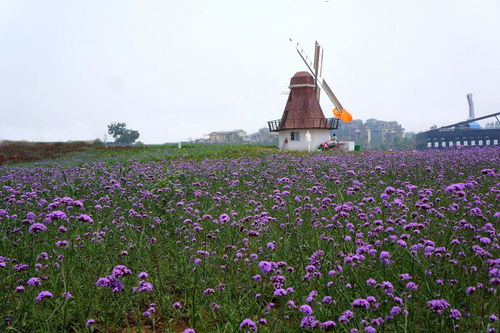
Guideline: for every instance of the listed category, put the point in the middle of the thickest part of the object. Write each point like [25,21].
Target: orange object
[343,116]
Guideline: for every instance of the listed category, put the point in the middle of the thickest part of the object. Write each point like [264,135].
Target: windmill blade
[331,95]
[316,69]
[318,63]
[318,58]
[305,58]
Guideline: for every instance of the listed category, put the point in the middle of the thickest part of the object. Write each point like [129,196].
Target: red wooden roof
[302,110]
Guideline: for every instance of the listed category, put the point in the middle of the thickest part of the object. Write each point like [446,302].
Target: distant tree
[121,134]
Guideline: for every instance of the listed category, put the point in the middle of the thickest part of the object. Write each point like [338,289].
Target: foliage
[121,134]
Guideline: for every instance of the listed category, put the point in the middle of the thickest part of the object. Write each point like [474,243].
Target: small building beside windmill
[302,118]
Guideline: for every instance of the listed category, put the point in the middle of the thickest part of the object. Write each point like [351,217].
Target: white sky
[180,69]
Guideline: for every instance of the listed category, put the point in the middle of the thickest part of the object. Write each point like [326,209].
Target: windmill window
[487,142]
[294,136]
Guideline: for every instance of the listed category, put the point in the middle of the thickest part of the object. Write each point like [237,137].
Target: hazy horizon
[175,70]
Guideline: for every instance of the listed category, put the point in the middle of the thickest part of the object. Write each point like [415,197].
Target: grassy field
[242,238]
[75,153]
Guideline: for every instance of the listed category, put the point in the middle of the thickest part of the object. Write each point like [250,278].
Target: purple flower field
[369,242]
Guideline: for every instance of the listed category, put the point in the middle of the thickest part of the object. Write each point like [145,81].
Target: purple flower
[208,291]
[44,294]
[328,300]
[306,309]
[102,282]
[56,215]
[329,324]
[360,303]
[189,330]
[142,286]
[470,290]
[280,292]
[454,188]
[346,316]
[224,218]
[438,305]
[405,276]
[63,243]
[142,275]
[384,257]
[309,322]
[67,295]
[370,329]
[411,286]
[34,281]
[387,286]
[120,271]
[20,267]
[36,227]
[395,310]
[455,314]
[85,218]
[485,240]
[89,323]
[249,324]
[265,266]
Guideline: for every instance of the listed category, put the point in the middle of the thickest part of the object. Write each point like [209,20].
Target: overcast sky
[180,69]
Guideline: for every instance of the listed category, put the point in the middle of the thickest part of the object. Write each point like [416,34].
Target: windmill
[315,68]
[303,124]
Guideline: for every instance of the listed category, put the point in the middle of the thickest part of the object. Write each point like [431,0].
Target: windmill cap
[302,78]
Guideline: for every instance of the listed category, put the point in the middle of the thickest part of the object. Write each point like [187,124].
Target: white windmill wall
[318,136]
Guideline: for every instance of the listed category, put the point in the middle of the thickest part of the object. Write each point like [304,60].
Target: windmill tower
[303,124]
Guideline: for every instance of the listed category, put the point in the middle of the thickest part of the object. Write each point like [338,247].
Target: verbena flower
[120,271]
[248,324]
[43,294]
[37,227]
[438,305]
[306,309]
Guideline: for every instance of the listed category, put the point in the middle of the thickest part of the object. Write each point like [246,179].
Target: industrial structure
[463,134]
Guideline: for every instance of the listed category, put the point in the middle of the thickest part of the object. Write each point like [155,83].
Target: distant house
[227,137]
